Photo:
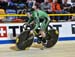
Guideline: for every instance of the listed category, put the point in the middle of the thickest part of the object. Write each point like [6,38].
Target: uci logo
[3,31]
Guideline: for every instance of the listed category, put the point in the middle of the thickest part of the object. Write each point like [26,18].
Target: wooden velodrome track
[61,49]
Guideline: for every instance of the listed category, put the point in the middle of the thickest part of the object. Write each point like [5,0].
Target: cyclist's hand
[32,22]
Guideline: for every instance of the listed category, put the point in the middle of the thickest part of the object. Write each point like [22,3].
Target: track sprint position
[25,39]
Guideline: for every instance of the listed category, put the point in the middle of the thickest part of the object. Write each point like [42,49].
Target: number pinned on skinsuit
[17,40]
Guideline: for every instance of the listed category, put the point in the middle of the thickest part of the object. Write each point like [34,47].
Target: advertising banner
[9,31]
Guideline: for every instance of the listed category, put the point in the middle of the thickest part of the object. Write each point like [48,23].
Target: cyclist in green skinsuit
[38,15]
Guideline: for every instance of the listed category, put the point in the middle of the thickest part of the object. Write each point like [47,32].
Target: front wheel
[24,40]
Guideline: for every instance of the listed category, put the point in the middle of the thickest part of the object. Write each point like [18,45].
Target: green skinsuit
[37,16]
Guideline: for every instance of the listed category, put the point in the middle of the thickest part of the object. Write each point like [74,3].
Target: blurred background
[24,6]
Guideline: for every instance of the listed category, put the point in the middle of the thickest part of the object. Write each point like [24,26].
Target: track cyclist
[38,23]
[38,16]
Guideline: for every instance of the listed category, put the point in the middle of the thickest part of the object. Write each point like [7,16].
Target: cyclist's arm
[37,23]
[47,19]
[36,19]
[30,20]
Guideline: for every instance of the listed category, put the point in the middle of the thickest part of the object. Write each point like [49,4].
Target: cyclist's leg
[42,29]
[44,25]
[47,22]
